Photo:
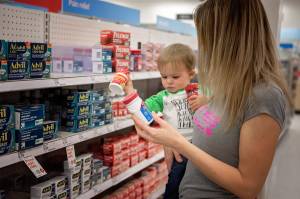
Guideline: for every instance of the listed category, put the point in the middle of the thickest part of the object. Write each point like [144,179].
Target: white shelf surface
[157,193]
[119,178]
[65,139]
[68,79]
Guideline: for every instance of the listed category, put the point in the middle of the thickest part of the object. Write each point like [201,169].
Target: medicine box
[29,116]
[107,67]
[97,96]
[74,191]
[29,137]
[97,67]
[41,51]
[39,69]
[68,66]
[75,111]
[85,186]
[50,129]
[62,195]
[3,70]
[98,109]
[7,116]
[3,49]
[16,69]
[75,169]
[42,190]
[96,121]
[96,54]
[85,175]
[18,51]
[77,98]
[106,55]
[86,160]
[59,184]
[7,140]
[57,66]
[73,177]
[78,66]
[78,124]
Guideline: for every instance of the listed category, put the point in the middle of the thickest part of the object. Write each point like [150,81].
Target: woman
[236,133]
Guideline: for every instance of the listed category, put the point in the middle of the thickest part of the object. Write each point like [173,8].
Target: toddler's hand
[196,101]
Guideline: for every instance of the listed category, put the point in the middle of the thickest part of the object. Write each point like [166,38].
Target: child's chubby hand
[196,101]
[128,89]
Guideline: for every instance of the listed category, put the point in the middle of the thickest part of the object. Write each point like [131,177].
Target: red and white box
[113,159]
[112,147]
[115,37]
[134,160]
[118,51]
[120,64]
[142,155]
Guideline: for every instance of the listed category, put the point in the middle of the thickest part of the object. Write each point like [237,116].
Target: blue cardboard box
[7,116]
[3,70]
[18,51]
[29,138]
[17,69]
[96,121]
[77,124]
[77,98]
[50,129]
[75,111]
[107,67]
[41,51]
[39,69]
[29,116]
[97,96]
[98,109]
[7,140]
[3,49]
[106,55]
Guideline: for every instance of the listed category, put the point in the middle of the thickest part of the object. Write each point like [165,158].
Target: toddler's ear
[192,74]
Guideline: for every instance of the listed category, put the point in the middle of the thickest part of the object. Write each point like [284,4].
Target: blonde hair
[176,54]
[236,52]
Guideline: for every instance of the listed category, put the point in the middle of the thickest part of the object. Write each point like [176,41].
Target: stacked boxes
[101,111]
[71,60]
[76,112]
[21,60]
[29,126]
[102,60]
[7,129]
[119,109]
[119,44]
[53,188]
[50,129]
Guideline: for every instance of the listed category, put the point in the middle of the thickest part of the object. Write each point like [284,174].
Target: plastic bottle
[136,106]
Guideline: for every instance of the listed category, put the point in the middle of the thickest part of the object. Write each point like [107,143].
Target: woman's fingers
[160,121]
[177,156]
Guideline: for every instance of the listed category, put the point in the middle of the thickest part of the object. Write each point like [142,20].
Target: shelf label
[71,156]
[34,166]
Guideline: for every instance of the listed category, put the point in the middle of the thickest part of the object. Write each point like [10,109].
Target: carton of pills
[3,49]
[75,111]
[68,66]
[74,191]
[98,67]
[57,66]
[86,160]
[7,116]
[85,174]
[85,186]
[29,137]
[50,130]
[75,98]
[62,195]
[78,124]
[3,70]
[29,116]
[39,69]
[96,54]
[73,178]
[16,69]
[59,184]
[77,167]
[7,140]
[18,51]
[41,51]
[42,190]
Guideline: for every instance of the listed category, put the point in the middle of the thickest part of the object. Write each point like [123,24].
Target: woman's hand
[128,89]
[165,134]
[196,101]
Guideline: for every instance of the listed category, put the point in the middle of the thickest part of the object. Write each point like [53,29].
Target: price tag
[34,166]
[71,156]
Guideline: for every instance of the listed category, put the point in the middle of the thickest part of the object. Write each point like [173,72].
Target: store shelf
[159,192]
[116,180]
[65,139]
[72,79]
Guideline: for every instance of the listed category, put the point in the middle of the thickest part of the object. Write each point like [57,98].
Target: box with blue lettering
[7,129]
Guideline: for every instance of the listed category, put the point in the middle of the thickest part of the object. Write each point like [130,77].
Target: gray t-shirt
[208,136]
